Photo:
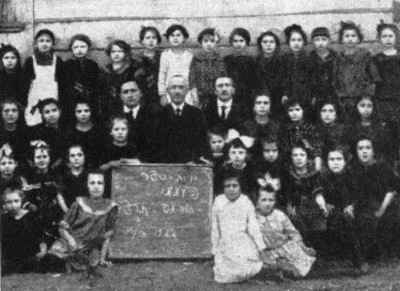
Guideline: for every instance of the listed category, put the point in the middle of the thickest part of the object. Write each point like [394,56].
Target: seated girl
[87,228]
[285,249]
[235,235]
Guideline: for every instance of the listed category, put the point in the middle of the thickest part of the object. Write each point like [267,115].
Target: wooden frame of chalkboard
[165,211]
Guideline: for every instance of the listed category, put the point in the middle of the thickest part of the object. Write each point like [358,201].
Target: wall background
[104,20]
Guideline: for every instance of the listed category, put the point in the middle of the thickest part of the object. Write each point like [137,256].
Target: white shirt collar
[228,103]
[176,107]
[134,110]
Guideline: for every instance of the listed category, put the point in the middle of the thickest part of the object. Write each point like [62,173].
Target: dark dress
[13,85]
[331,135]
[72,186]
[18,140]
[151,67]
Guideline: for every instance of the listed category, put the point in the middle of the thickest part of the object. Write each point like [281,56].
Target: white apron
[44,86]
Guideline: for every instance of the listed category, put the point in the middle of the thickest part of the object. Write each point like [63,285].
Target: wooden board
[164,211]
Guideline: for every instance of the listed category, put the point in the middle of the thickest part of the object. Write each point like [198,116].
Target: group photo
[200,146]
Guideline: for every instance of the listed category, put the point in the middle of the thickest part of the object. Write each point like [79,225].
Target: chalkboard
[164,211]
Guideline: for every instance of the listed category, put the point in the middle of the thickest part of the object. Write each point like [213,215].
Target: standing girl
[44,72]
[174,61]
[235,234]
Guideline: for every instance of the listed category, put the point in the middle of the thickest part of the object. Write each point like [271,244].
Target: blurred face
[76,157]
[44,43]
[119,131]
[350,38]
[388,38]
[232,189]
[9,60]
[365,108]
[41,159]
[79,49]
[262,105]
[270,152]
[266,202]
[131,94]
[150,40]
[83,112]
[7,167]
[209,43]
[328,114]
[237,156]
[238,42]
[12,202]
[177,90]
[336,162]
[10,113]
[365,151]
[296,42]
[295,113]
[95,185]
[51,114]
[224,89]
[176,38]
[321,42]
[268,44]
[117,54]
[299,158]
[217,143]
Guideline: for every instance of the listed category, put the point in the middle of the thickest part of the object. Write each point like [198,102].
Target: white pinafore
[42,87]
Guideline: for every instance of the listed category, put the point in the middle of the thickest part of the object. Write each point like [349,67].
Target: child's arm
[110,164]
[104,249]
[61,202]
[385,204]
[215,234]
[289,229]
[320,200]
[254,228]
[42,250]
[162,78]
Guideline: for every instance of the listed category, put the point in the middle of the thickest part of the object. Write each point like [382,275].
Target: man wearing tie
[223,110]
[182,132]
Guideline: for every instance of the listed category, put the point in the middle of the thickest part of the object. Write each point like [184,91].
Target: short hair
[10,48]
[45,31]
[338,148]
[80,37]
[43,103]
[320,31]
[261,92]
[120,43]
[185,80]
[139,82]
[289,30]
[219,130]
[152,29]
[329,101]
[224,76]
[381,26]
[116,118]
[207,32]
[294,102]
[172,28]
[11,187]
[241,32]
[95,171]
[349,25]
[268,33]
[301,145]
[230,174]
[237,143]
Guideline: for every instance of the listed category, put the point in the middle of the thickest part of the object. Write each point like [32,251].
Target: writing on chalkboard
[164,211]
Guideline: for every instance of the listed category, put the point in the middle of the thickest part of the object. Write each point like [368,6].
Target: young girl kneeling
[87,228]
[236,237]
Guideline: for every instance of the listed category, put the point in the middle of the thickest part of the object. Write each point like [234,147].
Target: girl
[297,67]
[388,64]
[42,192]
[82,76]
[238,162]
[21,237]
[383,134]
[340,200]
[206,66]
[73,181]
[44,72]
[376,209]
[235,235]
[298,130]
[11,77]
[121,67]
[285,249]
[329,129]
[87,228]
[86,133]
[175,60]
[270,69]
[217,143]
[240,66]
[304,195]
[13,130]
[354,71]
[9,169]
[150,38]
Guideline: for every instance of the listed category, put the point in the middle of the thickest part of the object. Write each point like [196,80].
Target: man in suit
[223,110]
[182,132]
[143,119]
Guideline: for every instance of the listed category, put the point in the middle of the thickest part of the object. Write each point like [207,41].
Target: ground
[197,275]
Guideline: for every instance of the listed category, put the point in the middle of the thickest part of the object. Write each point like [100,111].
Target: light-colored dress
[236,240]
[284,245]
[42,87]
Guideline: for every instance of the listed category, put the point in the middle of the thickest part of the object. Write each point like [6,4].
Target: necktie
[223,112]
[178,112]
